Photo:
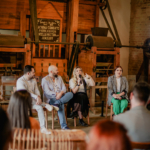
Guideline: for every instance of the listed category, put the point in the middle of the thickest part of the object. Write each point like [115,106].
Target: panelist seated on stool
[55,93]
[118,89]
[80,102]
[28,82]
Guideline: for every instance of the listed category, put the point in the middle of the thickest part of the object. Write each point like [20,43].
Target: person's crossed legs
[61,112]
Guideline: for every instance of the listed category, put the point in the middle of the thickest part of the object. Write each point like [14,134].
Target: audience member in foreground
[137,120]
[118,89]
[55,93]
[6,135]
[20,111]
[28,82]
[108,135]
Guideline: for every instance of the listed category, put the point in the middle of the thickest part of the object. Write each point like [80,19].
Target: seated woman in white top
[80,102]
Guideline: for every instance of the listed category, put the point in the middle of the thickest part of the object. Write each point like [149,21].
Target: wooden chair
[75,120]
[139,145]
[6,93]
[46,116]
[111,109]
[65,106]
[5,82]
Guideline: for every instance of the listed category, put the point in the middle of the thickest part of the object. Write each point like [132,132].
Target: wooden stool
[111,109]
[65,106]
[46,116]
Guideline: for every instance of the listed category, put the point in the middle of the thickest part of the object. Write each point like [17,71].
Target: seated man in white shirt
[28,82]
[55,93]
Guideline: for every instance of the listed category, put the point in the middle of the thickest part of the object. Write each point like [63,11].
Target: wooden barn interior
[96,35]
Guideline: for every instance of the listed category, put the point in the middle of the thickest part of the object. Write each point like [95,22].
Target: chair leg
[106,110]
[88,119]
[66,114]
[53,119]
[75,123]
[58,118]
[46,118]
[111,111]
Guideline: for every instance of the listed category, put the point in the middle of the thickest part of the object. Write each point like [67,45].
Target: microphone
[80,76]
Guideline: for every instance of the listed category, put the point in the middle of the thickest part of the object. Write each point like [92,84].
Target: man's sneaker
[45,131]
[48,107]
[56,107]
[66,128]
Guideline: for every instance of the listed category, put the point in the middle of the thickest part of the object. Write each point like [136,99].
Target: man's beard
[32,77]
[55,75]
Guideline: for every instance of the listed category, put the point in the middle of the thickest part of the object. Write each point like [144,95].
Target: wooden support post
[53,51]
[53,119]
[44,50]
[96,23]
[48,51]
[59,50]
[72,24]
[27,55]
[117,56]
[33,50]
[92,95]
[23,23]
[94,49]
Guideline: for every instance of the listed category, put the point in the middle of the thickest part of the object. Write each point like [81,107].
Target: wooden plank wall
[10,14]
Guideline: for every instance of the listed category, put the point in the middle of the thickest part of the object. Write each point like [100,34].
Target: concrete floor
[93,119]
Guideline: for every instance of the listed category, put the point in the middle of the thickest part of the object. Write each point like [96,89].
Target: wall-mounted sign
[49,29]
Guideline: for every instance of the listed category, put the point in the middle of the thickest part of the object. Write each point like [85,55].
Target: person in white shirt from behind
[28,82]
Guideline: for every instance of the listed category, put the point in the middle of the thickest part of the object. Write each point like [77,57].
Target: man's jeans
[61,113]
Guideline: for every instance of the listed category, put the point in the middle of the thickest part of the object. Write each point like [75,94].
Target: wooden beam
[33,13]
[12,49]
[96,16]
[88,2]
[117,56]
[108,53]
[23,23]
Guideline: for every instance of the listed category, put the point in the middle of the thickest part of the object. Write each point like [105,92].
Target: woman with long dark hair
[80,102]
[20,111]
[118,89]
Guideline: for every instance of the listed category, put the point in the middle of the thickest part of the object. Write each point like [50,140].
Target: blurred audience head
[5,130]
[140,94]
[108,135]
[19,109]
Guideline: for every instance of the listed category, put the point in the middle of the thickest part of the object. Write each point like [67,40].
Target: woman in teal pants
[118,89]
